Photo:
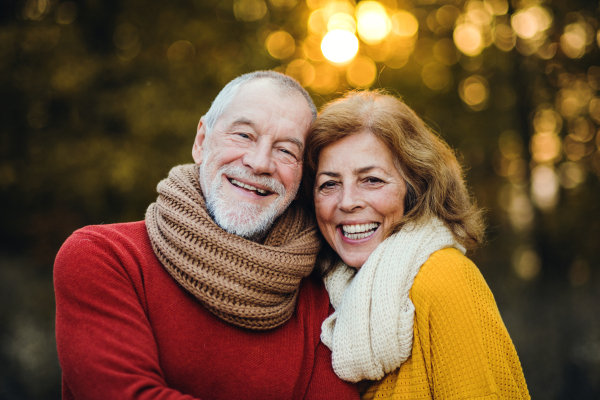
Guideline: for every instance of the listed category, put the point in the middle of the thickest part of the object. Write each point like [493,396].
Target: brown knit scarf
[248,284]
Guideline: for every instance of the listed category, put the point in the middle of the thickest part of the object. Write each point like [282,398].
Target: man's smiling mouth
[359,231]
[260,192]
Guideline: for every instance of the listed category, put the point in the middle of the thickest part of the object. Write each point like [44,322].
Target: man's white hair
[286,84]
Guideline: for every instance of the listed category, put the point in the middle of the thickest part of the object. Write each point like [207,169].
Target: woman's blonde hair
[433,176]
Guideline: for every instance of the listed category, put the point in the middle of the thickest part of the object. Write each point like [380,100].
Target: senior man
[210,297]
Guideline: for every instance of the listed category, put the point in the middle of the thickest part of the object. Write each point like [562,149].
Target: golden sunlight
[373,22]
[468,39]
[339,46]
[342,21]
[405,24]
[361,72]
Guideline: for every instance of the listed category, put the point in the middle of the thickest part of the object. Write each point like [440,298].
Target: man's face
[252,160]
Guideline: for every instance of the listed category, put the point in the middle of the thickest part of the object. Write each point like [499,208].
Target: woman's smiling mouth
[359,231]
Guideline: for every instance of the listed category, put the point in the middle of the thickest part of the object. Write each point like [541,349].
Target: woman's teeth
[360,231]
[248,187]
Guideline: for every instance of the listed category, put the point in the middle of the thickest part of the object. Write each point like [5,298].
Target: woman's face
[359,194]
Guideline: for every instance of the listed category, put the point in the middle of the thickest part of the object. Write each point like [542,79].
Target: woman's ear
[197,148]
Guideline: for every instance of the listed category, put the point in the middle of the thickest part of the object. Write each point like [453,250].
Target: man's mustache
[237,172]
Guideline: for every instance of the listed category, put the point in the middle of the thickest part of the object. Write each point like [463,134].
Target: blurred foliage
[99,99]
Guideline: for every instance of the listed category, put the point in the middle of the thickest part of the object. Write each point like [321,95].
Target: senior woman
[414,317]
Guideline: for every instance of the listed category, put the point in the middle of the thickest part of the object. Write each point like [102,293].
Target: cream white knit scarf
[371,331]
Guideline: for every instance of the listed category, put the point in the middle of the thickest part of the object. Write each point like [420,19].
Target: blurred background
[100,98]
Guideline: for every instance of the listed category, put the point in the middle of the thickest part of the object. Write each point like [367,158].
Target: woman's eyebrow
[332,174]
[364,170]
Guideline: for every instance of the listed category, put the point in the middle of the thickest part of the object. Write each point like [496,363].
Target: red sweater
[125,329]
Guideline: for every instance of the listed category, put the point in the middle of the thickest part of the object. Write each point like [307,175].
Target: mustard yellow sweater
[461,349]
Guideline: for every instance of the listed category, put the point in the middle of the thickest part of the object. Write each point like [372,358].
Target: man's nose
[260,159]
[351,200]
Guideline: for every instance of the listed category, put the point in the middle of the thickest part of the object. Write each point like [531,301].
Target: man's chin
[251,229]
[248,220]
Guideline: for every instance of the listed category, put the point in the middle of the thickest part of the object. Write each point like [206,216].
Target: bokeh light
[361,72]
[339,46]
[468,39]
[280,44]
[317,22]
[380,52]
[127,41]
[446,16]
[497,7]
[36,9]
[504,37]
[326,79]
[181,52]
[445,52]
[312,48]
[373,22]
[544,187]
[404,24]
[594,109]
[530,22]
[66,12]
[547,121]
[474,91]
[579,272]
[545,147]
[581,129]
[302,71]
[283,4]
[573,41]
[526,263]
[436,76]
[249,10]
[571,174]
[342,21]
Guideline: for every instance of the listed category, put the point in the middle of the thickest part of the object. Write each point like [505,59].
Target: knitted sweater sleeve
[105,344]
[461,348]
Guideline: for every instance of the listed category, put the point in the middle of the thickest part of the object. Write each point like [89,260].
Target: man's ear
[200,136]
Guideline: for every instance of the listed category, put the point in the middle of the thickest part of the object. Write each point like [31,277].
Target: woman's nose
[260,160]
[351,199]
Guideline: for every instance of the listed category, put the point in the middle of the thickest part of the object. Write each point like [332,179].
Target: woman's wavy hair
[433,176]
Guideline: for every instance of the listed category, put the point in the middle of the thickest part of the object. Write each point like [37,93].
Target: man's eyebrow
[295,141]
[243,121]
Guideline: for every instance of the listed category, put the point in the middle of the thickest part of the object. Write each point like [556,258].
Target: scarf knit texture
[371,331]
[248,284]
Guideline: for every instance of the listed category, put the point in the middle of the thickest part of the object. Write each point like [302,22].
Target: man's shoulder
[131,230]
[117,236]
[99,244]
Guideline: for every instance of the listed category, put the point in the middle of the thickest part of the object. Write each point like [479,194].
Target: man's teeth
[243,185]
[359,231]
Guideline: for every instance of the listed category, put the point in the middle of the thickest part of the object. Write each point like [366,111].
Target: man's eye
[244,135]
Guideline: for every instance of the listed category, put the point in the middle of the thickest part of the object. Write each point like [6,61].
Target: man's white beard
[248,220]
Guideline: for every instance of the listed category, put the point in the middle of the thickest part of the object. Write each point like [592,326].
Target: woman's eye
[244,135]
[372,179]
[327,185]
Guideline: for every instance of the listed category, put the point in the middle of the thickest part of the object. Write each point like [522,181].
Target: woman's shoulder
[447,275]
